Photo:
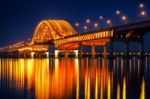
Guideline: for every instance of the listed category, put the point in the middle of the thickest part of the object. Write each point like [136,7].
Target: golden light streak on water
[96,87]
[11,71]
[142,94]
[18,74]
[122,62]
[118,91]
[139,62]
[124,89]
[56,68]
[0,69]
[42,80]
[87,86]
[64,78]
[101,86]
[30,73]
[77,77]
[109,88]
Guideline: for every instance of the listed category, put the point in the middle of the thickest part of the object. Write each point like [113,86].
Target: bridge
[66,39]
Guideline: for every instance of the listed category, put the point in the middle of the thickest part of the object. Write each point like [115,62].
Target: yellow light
[76,53]
[143,13]
[32,54]
[47,54]
[124,89]
[109,88]
[96,87]
[56,53]
[142,94]
[124,18]
[26,48]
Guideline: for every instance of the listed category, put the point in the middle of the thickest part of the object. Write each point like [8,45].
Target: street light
[108,22]
[142,13]
[118,12]
[85,28]
[95,25]
[77,24]
[124,18]
[141,5]
[88,20]
[101,17]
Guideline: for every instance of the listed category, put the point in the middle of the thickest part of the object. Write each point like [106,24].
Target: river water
[70,78]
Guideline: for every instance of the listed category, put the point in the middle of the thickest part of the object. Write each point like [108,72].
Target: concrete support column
[80,51]
[105,51]
[93,51]
[56,53]
[126,49]
[76,53]
[32,54]
[141,47]
[66,54]
[47,54]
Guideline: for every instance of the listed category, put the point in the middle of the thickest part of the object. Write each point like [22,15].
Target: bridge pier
[32,54]
[93,51]
[66,54]
[56,53]
[76,53]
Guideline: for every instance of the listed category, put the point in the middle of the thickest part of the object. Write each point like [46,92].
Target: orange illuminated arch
[52,29]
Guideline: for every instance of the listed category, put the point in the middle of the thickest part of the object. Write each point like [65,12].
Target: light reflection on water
[75,79]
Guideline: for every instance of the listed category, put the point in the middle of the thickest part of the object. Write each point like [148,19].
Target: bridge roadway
[65,39]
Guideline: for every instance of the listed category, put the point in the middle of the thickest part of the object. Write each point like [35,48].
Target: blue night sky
[18,18]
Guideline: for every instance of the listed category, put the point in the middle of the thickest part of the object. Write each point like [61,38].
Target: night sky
[18,18]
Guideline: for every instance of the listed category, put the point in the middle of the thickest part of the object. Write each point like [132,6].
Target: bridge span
[66,39]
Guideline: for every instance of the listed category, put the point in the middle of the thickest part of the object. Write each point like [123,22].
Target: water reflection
[73,78]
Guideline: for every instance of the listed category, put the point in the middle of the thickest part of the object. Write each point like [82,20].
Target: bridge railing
[85,37]
[132,26]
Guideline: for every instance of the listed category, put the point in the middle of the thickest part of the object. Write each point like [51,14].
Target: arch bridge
[65,38]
